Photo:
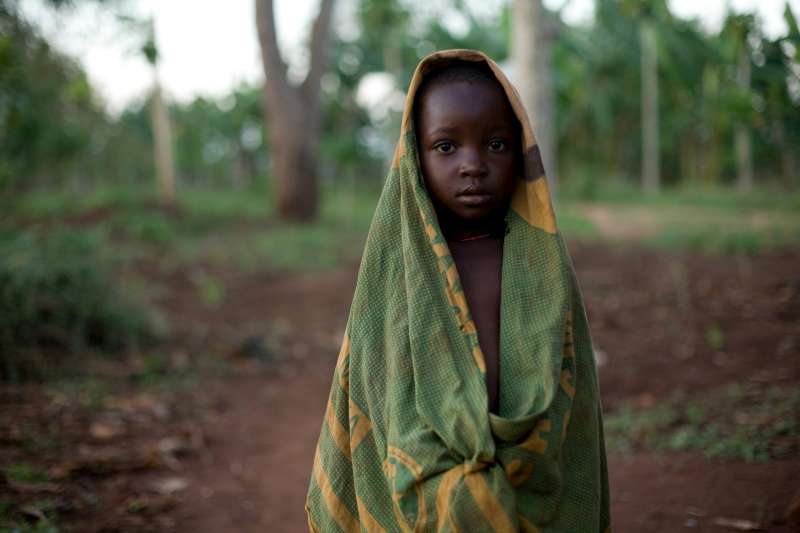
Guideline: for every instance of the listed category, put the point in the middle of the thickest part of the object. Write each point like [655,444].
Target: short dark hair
[460,70]
[456,70]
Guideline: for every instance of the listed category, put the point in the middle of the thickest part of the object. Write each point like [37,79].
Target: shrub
[58,295]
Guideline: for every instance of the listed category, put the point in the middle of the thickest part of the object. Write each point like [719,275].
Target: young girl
[465,396]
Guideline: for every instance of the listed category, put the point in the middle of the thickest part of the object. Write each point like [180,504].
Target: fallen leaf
[31,511]
[62,471]
[103,431]
[172,445]
[739,525]
[645,400]
[757,419]
[149,504]
[170,485]
[108,461]
[142,403]
[35,488]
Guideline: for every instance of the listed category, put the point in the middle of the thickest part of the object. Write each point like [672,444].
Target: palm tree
[651,168]
[650,14]
[735,33]
[162,132]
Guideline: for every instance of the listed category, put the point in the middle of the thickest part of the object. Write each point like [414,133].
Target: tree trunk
[531,43]
[294,116]
[651,169]
[295,158]
[162,147]
[743,142]
[788,163]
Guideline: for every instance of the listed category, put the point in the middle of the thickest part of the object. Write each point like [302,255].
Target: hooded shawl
[407,441]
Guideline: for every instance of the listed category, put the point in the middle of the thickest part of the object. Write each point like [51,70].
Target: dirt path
[686,492]
[254,474]
[661,324]
[648,315]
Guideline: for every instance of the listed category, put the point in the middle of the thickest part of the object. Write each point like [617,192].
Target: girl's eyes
[445,147]
[497,145]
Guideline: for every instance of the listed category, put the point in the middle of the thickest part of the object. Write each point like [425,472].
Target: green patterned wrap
[407,442]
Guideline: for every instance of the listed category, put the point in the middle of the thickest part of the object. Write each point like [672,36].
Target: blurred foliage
[236,227]
[54,131]
[392,36]
[228,228]
[254,244]
[47,106]
[24,473]
[725,240]
[597,72]
[709,220]
[64,159]
[696,195]
[57,292]
[739,422]
[14,520]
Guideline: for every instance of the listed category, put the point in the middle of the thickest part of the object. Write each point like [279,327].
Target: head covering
[407,442]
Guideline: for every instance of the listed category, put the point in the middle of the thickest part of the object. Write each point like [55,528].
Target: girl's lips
[474,199]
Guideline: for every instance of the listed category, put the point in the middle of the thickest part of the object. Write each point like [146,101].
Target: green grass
[731,226]
[48,203]
[14,522]
[210,289]
[211,206]
[310,248]
[238,228]
[269,244]
[149,227]
[574,225]
[725,239]
[746,423]
[707,197]
[227,227]
[24,473]
[41,443]
[87,391]
[58,291]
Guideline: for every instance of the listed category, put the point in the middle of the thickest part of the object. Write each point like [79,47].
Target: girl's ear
[519,160]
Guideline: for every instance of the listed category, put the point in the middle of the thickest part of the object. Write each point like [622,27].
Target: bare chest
[480,266]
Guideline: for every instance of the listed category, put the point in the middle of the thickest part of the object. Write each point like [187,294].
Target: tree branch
[318,48]
[274,67]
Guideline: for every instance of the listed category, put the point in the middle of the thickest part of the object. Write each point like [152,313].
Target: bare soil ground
[233,452]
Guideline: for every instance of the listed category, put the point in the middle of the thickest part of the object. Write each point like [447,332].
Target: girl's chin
[473,221]
[470,216]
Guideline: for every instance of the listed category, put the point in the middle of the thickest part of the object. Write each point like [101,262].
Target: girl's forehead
[459,99]
[476,87]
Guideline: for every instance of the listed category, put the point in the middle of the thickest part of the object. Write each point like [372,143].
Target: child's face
[468,139]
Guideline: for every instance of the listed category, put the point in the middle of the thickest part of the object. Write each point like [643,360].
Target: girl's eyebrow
[500,125]
[444,130]
[449,129]
[455,129]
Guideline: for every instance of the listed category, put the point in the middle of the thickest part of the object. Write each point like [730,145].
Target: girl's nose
[472,164]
